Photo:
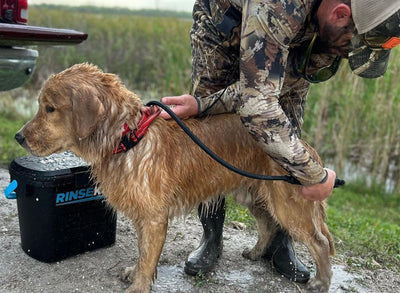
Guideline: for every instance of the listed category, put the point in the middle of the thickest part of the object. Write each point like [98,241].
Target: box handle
[9,191]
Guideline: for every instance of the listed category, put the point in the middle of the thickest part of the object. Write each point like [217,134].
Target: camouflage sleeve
[223,101]
[293,99]
[267,29]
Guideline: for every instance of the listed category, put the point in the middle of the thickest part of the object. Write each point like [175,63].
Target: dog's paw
[139,284]
[127,275]
[316,285]
[251,254]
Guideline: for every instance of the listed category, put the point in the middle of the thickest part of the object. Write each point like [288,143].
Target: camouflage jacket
[270,95]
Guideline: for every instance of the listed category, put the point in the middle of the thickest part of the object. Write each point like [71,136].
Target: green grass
[236,212]
[365,223]
[150,54]
[9,148]
[350,119]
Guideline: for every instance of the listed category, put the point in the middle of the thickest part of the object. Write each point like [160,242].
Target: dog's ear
[87,111]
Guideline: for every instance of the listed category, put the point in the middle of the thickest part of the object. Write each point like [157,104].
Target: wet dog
[165,174]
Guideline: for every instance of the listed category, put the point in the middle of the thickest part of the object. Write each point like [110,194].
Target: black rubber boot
[284,258]
[204,257]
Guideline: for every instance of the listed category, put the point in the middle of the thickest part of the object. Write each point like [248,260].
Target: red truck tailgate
[22,35]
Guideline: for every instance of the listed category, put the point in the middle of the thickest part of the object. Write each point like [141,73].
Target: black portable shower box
[61,213]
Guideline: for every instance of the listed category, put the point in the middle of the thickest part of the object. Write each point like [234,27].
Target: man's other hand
[320,191]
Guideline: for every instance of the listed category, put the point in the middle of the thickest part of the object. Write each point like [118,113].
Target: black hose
[286,178]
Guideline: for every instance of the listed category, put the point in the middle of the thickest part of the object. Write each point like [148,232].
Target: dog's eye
[50,109]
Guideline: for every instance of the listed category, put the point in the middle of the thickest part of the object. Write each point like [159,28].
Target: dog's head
[69,110]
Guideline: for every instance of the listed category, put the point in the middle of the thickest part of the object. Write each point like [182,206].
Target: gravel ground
[98,271]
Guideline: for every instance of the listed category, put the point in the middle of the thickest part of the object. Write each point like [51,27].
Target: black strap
[127,142]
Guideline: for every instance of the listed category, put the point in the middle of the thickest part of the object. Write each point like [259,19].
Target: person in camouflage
[258,58]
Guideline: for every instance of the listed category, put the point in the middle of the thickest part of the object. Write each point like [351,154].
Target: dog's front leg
[151,238]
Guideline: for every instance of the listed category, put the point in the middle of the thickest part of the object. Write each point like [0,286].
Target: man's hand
[321,191]
[184,106]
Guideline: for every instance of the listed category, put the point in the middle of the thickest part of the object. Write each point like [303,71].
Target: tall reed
[355,122]
[150,54]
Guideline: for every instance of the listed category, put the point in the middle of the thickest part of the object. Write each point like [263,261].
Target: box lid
[53,165]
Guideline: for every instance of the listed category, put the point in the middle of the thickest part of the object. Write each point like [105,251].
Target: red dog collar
[131,137]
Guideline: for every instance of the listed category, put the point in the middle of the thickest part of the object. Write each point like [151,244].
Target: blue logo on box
[79,195]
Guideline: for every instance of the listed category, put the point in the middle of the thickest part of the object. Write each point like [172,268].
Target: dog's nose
[20,138]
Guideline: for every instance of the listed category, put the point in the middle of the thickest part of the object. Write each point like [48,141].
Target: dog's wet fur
[165,175]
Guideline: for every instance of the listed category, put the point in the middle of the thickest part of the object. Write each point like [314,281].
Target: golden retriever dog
[166,175]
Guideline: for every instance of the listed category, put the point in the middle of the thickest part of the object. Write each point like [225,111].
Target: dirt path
[98,271]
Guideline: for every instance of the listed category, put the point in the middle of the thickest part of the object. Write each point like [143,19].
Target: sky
[176,5]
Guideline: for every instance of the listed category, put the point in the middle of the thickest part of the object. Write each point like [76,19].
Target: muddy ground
[98,271]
